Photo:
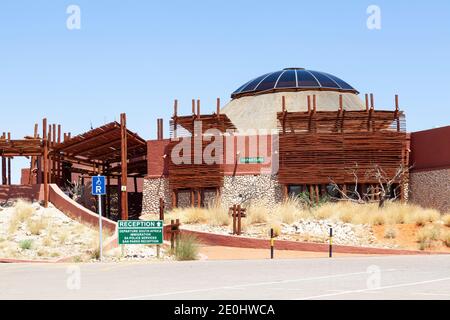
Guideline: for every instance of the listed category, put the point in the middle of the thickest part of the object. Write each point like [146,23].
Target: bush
[23,210]
[257,213]
[426,236]
[36,226]
[187,248]
[26,244]
[446,220]
[217,215]
[446,238]
[390,232]
[194,215]
[276,229]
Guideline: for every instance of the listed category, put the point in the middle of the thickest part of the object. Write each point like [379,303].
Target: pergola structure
[111,150]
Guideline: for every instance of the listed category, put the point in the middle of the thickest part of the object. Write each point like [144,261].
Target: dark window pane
[240,88]
[252,84]
[340,82]
[305,79]
[269,82]
[287,80]
[324,80]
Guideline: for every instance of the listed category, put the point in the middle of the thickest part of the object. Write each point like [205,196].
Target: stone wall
[246,188]
[431,189]
[155,188]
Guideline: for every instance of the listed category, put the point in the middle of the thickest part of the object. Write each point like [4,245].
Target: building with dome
[292,131]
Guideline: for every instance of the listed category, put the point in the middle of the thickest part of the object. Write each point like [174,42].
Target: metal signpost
[99,189]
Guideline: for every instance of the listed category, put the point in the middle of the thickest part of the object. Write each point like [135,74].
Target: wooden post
[9,171]
[174,199]
[372,102]
[309,104]
[108,192]
[341,103]
[193,107]
[397,118]
[58,175]
[239,220]
[161,209]
[367,102]
[218,107]
[53,153]
[45,160]
[124,165]
[198,108]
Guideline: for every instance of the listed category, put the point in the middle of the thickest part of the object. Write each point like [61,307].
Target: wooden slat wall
[317,147]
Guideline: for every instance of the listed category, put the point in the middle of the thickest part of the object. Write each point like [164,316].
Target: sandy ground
[229,253]
[406,237]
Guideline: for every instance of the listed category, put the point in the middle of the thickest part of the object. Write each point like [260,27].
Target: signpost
[99,189]
[140,231]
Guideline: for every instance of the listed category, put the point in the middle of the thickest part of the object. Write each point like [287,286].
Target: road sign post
[99,189]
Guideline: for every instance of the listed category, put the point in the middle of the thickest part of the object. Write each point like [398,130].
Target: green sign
[140,231]
[252,160]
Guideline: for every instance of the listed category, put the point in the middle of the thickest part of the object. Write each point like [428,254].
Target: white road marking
[409,284]
[249,285]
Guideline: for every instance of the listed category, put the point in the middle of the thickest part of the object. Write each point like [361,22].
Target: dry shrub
[217,215]
[35,226]
[446,220]
[427,235]
[446,238]
[23,211]
[187,248]
[257,213]
[378,218]
[194,215]
[390,232]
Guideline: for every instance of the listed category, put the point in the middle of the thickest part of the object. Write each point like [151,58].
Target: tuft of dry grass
[390,232]
[446,238]
[428,235]
[276,226]
[217,215]
[35,226]
[446,219]
[257,213]
[23,211]
[194,215]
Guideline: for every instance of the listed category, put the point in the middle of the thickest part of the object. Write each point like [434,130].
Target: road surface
[380,277]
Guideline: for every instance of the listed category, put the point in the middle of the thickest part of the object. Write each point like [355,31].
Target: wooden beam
[124,164]
[45,160]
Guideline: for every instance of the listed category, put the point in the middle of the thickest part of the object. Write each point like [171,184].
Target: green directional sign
[252,159]
[140,231]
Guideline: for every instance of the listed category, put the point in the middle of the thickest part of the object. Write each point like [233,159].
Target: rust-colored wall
[430,149]
[158,166]
[26,192]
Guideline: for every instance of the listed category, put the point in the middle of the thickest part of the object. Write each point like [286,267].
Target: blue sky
[137,56]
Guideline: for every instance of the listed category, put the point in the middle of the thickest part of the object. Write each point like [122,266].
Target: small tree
[385,188]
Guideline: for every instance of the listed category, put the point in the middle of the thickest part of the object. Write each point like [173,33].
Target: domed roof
[293,79]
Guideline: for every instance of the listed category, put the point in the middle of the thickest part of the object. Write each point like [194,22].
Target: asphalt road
[381,277]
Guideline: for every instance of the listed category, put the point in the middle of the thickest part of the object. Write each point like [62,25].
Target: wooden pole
[124,165]
[193,107]
[218,107]
[367,102]
[372,102]
[58,180]
[45,160]
[198,108]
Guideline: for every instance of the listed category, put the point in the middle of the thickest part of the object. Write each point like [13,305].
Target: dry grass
[446,219]
[217,215]
[428,235]
[446,238]
[390,232]
[194,215]
[23,211]
[257,213]
[35,226]
[290,210]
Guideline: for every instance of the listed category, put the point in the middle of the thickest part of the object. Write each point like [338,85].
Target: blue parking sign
[98,185]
